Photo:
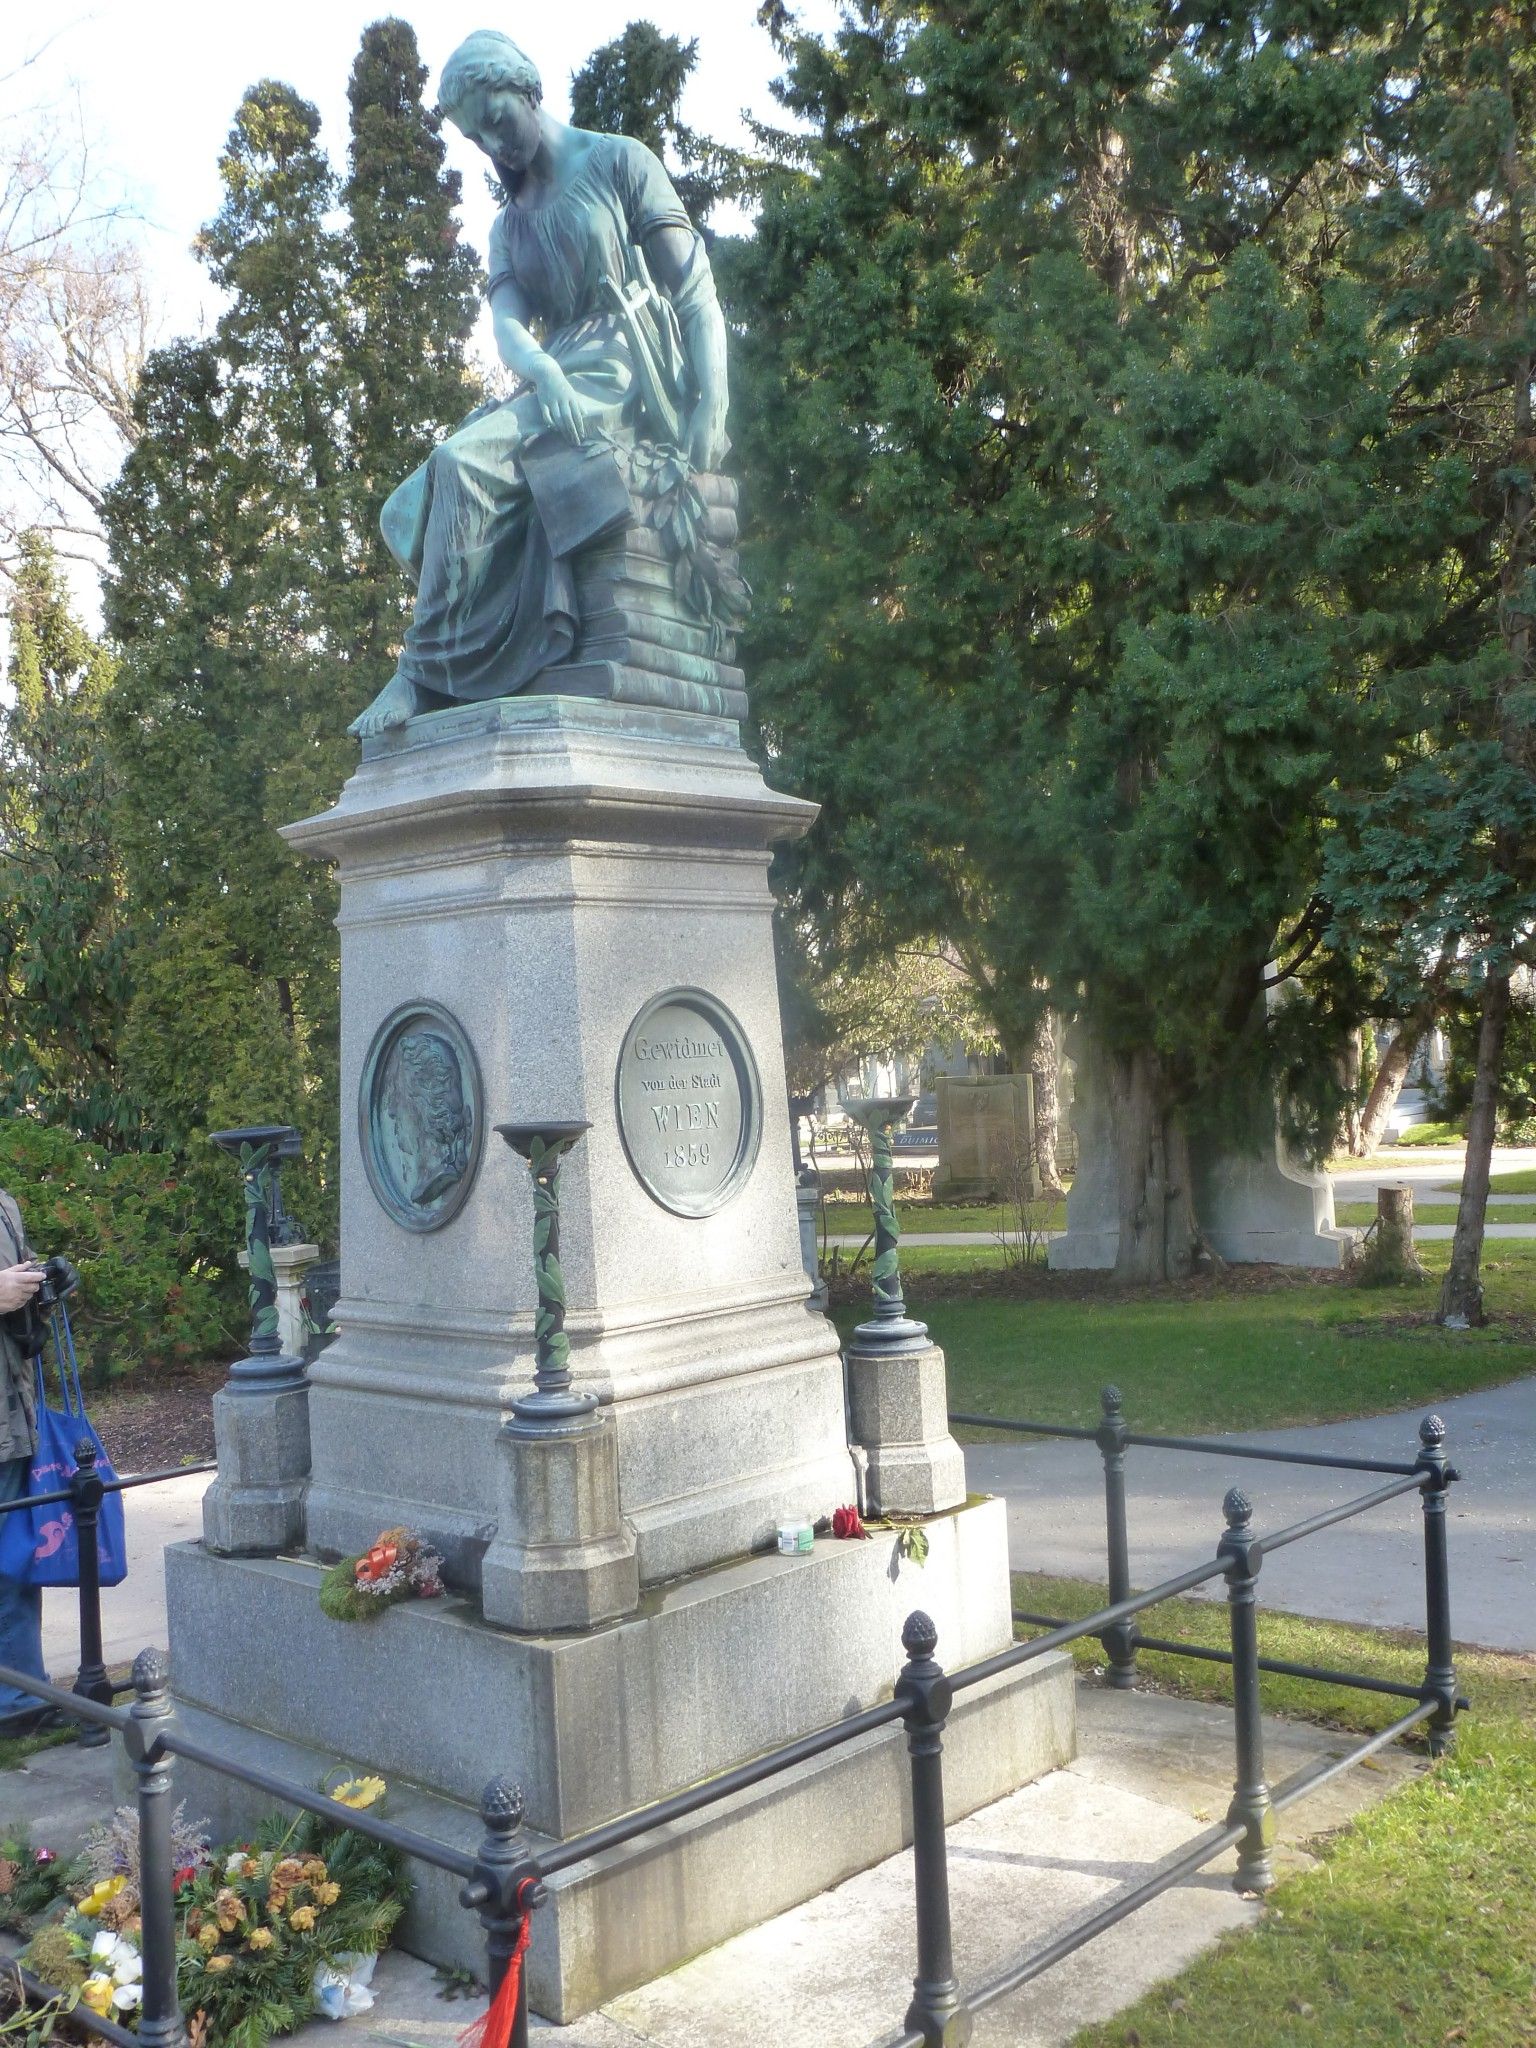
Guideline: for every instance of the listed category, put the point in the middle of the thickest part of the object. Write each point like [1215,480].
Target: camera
[28,1325]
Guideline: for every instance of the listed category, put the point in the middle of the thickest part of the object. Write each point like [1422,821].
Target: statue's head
[492,93]
[433,1126]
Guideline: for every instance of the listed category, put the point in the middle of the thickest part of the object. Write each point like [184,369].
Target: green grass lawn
[1514,1183]
[1231,1353]
[1359,1214]
[850,1219]
[1418,1926]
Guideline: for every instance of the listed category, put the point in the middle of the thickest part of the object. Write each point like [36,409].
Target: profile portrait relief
[419,1116]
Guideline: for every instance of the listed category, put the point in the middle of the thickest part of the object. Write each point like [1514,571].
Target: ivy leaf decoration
[912,1543]
[551,1280]
[887,1266]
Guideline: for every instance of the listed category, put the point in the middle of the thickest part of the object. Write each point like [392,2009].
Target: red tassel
[493,2029]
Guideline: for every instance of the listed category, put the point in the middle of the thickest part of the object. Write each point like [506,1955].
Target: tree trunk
[1044,1065]
[1156,1202]
[1349,1074]
[1396,1063]
[1461,1298]
[1392,1260]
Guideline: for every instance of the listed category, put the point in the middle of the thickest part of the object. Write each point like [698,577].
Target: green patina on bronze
[604,308]
[880,1116]
[258,1165]
[419,1116]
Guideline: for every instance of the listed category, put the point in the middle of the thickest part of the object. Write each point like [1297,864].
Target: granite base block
[563,1557]
[623,1918]
[898,1411]
[712,1669]
[256,1504]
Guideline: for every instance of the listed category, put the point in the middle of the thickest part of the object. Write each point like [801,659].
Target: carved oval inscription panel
[419,1115]
[690,1109]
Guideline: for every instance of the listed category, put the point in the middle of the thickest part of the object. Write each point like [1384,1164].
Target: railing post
[1119,1640]
[509,1888]
[1440,1668]
[150,1718]
[1250,1797]
[937,2010]
[91,1683]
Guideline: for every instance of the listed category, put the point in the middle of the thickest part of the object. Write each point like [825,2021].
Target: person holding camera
[21,1607]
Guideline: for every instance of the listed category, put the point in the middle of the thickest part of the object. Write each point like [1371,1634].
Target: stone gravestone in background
[554,908]
[986,1138]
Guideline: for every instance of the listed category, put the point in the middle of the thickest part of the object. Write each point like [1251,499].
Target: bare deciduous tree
[76,319]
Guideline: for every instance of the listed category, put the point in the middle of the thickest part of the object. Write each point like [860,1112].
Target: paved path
[132,1614]
[1368,1570]
[1423,1233]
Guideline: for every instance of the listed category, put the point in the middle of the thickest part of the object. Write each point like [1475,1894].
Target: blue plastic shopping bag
[41,1546]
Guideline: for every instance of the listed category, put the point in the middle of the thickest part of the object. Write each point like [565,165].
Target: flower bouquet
[398,1566]
[266,1927]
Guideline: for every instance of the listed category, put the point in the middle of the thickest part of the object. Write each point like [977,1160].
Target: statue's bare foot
[395,703]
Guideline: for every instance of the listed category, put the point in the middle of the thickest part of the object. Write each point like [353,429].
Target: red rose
[845,1522]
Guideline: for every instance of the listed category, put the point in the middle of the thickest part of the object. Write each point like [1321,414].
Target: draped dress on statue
[491,555]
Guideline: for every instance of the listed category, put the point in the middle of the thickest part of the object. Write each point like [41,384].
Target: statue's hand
[707,442]
[561,404]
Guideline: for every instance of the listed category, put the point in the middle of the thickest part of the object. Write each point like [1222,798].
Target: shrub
[153,1291]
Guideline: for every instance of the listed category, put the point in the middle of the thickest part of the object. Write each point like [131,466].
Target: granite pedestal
[555,910]
[715,1669]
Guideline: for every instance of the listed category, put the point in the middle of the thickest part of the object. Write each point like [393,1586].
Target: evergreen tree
[1081,547]
[411,294]
[250,594]
[634,86]
[1440,858]
[62,936]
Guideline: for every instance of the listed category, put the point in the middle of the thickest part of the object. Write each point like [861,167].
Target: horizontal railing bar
[1204,1849]
[678,1805]
[74,1704]
[1093,1625]
[1262,1454]
[1281,1668]
[154,1478]
[1311,1776]
[63,1493]
[1202,1445]
[406,1840]
[39,1993]
[1328,1516]
[1022,1428]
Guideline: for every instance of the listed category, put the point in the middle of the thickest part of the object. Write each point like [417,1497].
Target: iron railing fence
[504,1883]
[84,1494]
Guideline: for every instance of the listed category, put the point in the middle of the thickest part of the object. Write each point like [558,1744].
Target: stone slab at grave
[986,1142]
[557,905]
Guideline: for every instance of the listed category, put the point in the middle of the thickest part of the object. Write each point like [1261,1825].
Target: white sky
[157,82]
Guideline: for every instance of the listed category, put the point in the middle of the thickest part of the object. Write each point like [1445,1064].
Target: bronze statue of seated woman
[621,402]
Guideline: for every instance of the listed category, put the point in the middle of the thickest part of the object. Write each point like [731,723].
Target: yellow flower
[99,1895]
[96,1992]
[314,1871]
[208,1935]
[359,1792]
[219,1964]
[261,1937]
[328,1893]
[302,1919]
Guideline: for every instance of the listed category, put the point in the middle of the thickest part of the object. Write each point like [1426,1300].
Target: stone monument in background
[576,1354]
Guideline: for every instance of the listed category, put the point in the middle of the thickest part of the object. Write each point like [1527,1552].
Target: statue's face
[503,123]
